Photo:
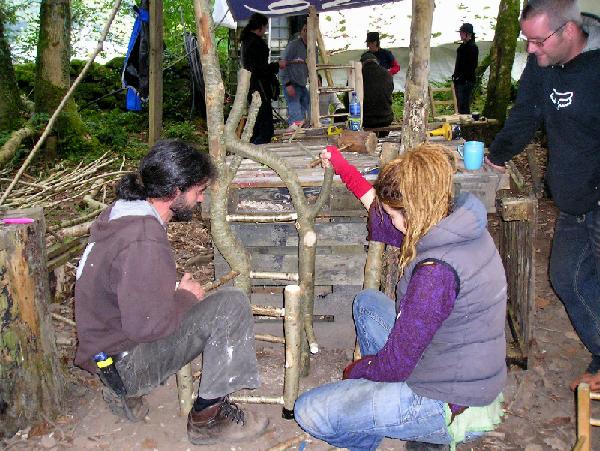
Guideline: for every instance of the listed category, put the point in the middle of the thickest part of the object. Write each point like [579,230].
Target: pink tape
[17,220]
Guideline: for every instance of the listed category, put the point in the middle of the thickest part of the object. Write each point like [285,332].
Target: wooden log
[32,383]
[358,141]
[311,61]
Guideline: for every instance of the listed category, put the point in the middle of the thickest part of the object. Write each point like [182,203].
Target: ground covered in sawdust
[539,406]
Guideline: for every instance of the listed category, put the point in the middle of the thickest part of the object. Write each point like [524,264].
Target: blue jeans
[357,413]
[575,276]
[299,105]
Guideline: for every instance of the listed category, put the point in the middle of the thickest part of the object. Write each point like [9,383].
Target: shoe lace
[232,411]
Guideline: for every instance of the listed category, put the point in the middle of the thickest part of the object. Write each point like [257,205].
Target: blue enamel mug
[472,154]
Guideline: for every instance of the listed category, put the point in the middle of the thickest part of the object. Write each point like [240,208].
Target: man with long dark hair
[130,307]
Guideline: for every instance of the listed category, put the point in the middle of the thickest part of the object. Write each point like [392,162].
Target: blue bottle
[354,122]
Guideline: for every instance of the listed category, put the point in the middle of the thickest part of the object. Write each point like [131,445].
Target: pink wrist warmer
[353,179]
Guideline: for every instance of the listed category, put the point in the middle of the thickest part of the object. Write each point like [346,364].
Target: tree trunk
[416,103]
[10,100]
[31,378]
[502,56]
[52,78]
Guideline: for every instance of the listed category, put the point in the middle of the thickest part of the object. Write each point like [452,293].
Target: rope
[63,102]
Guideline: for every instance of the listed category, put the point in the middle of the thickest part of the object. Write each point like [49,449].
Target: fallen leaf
[541,302]
[559,421]
[149,443]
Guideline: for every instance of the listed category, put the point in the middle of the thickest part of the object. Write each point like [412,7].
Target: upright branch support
[312,26]
[293,337]
[155,94]
[414,123]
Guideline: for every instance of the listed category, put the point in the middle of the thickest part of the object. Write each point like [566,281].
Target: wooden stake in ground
[32,384]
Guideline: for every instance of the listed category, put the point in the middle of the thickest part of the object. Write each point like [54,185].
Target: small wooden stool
[584,420]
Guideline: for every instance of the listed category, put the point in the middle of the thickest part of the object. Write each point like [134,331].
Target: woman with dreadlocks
[433,365]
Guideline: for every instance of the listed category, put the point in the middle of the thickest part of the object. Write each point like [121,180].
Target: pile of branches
[86,184]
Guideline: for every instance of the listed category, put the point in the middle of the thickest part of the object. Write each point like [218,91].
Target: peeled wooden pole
[293,334]
[185,389]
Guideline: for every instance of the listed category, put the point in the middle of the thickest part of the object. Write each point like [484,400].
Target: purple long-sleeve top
[428,301]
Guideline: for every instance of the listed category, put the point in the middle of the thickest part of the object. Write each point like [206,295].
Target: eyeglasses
[540,42]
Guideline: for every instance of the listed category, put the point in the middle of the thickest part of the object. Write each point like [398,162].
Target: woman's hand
[325,159]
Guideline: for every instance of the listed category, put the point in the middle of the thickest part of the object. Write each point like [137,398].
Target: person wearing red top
[385,58]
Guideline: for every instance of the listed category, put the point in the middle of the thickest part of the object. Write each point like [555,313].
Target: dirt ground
[540,409]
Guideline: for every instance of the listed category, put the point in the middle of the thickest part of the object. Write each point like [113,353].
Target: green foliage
[398,106]
[183,130]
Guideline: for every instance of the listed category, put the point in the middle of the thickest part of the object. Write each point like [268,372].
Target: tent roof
[243,9]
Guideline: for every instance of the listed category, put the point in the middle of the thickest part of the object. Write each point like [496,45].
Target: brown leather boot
[224,422]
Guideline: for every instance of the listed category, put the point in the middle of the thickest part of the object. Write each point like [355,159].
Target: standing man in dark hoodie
[128,303]
[560,89]
[255,58]
[467,55]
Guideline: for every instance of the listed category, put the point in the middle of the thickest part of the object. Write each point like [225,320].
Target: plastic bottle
[354,122]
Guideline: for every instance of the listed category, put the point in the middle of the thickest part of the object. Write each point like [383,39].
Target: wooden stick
[257,399]
[222,280]
[185,389]
[65,320]
[269,338]
[267,310]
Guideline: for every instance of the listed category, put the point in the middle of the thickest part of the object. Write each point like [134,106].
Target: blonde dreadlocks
[419,184]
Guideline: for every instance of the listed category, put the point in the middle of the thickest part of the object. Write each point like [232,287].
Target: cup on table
[472,154]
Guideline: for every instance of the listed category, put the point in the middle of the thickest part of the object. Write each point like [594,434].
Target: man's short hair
[170,164]
[559,12]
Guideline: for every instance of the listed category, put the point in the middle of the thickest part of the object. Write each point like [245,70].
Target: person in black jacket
[560,89]
[255,58]
[464,68]
[377,87]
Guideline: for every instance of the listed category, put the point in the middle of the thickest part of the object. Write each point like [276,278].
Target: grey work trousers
[221,328]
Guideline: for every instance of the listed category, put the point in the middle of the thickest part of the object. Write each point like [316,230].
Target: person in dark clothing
[129,305]
[377,87]
[560,89]
[385,58]
[467,55]
[255,58]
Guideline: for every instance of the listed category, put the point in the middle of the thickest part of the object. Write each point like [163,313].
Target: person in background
[329,103]
[385,58]
[560,89]
[433,365]
[255,58]
[463,77]
[378,87]
[294,77]
[129,305]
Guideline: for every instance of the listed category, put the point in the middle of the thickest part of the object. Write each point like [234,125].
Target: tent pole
[155,94]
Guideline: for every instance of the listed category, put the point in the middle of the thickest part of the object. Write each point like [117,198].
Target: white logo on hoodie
[561,99]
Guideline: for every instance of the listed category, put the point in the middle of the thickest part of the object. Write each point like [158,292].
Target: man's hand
[291,91]
[495,167]
[189,284]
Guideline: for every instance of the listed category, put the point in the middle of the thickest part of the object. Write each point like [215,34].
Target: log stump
[32,382]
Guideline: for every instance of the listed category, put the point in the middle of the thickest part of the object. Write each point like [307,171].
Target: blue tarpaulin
[243,9]
[135,67]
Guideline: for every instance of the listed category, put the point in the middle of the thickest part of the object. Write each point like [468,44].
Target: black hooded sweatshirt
[565,100]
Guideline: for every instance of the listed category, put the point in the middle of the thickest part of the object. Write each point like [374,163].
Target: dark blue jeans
[575,275]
